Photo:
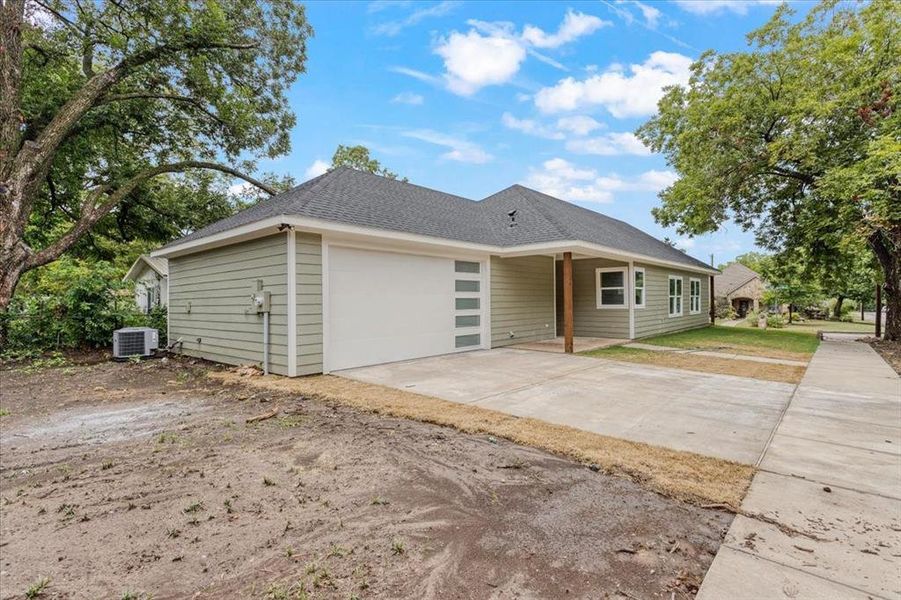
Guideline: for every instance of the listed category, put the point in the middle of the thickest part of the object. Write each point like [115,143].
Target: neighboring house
[739,287]
[364,270]
[150,275]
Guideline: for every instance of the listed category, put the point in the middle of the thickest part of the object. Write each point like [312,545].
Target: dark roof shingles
[353,197]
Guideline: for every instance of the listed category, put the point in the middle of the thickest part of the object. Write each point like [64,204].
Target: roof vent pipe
[512,215]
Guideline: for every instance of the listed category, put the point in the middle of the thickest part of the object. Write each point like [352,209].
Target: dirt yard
[123,480]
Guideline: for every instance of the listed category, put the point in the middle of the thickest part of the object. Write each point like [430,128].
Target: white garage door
[385,307]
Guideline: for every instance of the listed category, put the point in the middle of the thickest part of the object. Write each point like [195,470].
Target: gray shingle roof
[353,197]
[733,277]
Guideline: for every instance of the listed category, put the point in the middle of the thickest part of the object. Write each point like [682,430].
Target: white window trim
[644,287]
[681,296]
[691,296]
[626,288]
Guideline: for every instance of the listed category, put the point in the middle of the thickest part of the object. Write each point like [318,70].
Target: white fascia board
[408,241]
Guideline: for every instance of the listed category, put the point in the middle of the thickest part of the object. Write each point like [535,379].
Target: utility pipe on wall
[266,343]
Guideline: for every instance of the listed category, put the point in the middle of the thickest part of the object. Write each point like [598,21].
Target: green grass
[748,340]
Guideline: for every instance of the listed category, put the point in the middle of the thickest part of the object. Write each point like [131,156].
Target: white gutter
[270,225]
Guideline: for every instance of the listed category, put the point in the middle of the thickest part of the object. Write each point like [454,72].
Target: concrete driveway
[717,415]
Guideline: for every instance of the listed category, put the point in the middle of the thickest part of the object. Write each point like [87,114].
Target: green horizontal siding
[588,319]
[654,319]
[308,248]
[522,299]
[217,284]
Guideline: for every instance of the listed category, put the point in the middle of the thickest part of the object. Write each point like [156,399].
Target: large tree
[98,98]
[798,139]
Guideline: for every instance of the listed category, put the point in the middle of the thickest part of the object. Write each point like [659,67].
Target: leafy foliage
[798,139]
[357,157]
[73,303]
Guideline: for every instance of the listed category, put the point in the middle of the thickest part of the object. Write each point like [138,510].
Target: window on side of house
[694,296]
[675,296]
[638,279]
[611,287]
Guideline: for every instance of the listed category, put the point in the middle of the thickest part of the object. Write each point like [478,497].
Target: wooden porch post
[712,303]
[568,302]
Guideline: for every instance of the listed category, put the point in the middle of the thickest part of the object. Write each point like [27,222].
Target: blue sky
[471,97]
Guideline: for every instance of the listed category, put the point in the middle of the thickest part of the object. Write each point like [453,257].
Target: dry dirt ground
[889,351]
[123,480]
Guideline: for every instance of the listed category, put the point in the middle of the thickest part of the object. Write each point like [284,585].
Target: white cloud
[651,15]
[578,124]
[392,28]
[560,178]
[473,60]
[240,189]
[520,97]
[610,144]
[491,52]
[710,7]
[418,75]
[408,98]
[530,127]
[574,26]
[316,169]
[624,94]
[460,150]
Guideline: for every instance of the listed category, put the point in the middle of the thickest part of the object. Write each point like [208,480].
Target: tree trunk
[12,264]
[837,309]
[886,244]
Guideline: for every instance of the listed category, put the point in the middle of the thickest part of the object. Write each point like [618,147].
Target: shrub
[775,321]
[69,303]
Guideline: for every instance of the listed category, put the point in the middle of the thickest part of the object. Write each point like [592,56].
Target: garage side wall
[209,302]
[654,318]
[522,299]
[308,248]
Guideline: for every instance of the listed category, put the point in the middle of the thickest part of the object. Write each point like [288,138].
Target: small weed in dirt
[268,482]
[68,511]
[228,506]
[37,589]
[398,547]
[4,412]
[295,591]
[290,421]
[173,533]
[107,465]
[167,437]
[193,508]
[289,552]
[379,501]
[55,359]
[336,551]
[128,595]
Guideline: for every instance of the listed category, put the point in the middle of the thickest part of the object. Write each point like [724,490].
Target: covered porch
[578,300]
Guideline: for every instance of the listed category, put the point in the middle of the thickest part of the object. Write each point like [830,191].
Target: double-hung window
[638,287]
[612,288]
[675,296]
[694,296]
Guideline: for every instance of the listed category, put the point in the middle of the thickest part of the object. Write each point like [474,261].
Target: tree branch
[93,209]
[34,157]
[111,98]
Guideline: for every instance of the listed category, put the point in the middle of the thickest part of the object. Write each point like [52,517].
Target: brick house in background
[739,287]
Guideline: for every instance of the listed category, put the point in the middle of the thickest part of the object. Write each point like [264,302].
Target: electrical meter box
[259,301]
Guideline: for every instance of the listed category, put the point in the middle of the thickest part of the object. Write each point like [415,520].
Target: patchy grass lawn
[813,327]
[703,364]
[123,480]
[772,343]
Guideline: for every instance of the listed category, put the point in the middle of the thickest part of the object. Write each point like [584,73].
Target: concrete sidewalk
[824,511]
